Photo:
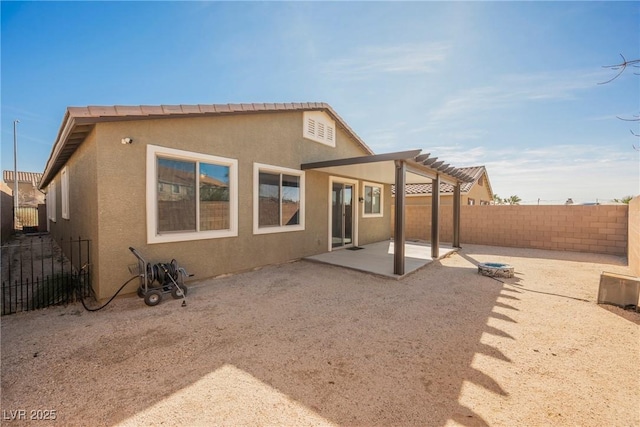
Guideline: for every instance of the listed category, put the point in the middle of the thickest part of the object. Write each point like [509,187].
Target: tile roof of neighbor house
[445,188]
[23,177]
[79,121]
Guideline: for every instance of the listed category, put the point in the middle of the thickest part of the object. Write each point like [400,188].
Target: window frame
[261,167]
[64,192]
[153,152]
[366,184]
[51,201]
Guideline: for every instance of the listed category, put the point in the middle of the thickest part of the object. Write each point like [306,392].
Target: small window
[372,200]
[319,127]
[471,201]
[51,201]
[190,196]
[65,193]
[278,199]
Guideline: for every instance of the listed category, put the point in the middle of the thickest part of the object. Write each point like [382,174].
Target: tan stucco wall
[83,207]
[634,235]
[274,139]
[479,192]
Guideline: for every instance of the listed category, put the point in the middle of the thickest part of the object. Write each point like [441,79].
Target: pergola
[401,168]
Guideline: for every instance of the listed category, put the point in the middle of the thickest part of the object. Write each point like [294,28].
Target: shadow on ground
[295,344]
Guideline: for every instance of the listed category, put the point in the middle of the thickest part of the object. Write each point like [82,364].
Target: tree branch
[621,66]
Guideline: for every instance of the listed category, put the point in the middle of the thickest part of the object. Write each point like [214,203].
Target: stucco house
[475,192]
[28,193]
[221,188]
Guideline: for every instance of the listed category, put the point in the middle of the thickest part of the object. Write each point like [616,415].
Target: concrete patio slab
[377,258]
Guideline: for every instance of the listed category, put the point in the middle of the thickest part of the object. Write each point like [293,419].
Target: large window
[190,196]
[372,200]
[278,199]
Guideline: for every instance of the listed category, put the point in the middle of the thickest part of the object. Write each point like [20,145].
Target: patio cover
[400,168]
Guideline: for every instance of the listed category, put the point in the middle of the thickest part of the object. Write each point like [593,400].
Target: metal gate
[37,272]
[26,218]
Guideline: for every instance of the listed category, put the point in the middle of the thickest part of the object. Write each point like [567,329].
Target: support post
[435,217]
[399,236]
[456,215]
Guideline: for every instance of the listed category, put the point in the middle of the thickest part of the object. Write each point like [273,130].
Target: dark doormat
[354,248]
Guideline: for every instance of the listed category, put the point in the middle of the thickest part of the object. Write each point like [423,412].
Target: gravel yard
[309,344]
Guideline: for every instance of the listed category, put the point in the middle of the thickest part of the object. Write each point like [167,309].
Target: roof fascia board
[65,130]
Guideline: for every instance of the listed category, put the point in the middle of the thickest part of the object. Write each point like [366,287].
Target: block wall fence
[598,229]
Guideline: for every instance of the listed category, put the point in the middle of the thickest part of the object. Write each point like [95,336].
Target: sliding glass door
[341,215]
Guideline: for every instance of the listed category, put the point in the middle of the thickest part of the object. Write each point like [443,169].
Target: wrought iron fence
[37,272]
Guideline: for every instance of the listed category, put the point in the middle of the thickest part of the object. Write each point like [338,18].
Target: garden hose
[110,299]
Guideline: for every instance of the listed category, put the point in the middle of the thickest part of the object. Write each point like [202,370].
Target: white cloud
[403,58]
[553,174]
[511,91]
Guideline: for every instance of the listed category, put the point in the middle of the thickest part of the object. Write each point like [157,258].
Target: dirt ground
[304,344]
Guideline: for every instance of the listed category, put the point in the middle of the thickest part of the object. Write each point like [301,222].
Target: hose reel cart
[158,279]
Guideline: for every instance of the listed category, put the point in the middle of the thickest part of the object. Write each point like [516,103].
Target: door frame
[356,212]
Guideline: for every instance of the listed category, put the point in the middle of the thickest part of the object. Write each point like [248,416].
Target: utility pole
[15,173]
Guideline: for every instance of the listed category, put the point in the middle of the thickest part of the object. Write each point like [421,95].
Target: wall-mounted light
[126,141]
[361,199]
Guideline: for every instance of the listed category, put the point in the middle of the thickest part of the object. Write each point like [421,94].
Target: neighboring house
[28,193]
[220,188]
[476,192]
[418,201]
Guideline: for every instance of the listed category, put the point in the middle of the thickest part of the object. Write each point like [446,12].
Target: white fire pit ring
[495,269]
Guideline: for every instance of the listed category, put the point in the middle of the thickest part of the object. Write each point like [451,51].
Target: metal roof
[23,177]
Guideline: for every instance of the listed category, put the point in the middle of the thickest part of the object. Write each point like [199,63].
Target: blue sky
[509,85]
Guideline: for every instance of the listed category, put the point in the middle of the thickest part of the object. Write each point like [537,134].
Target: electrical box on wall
[619,289]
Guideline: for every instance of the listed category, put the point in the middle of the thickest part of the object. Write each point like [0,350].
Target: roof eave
[82,116]
[58,145]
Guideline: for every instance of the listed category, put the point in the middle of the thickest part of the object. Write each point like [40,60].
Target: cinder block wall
[634,235]
[597,229]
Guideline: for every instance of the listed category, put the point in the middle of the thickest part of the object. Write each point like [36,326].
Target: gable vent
[319,127]
[311,126]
